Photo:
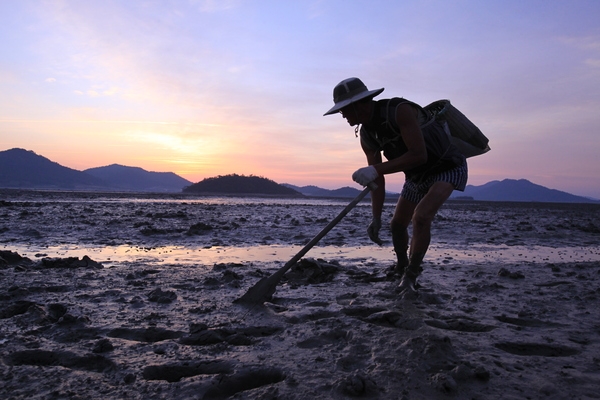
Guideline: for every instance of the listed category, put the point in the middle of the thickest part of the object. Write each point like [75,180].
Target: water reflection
[186,255]
[156,198]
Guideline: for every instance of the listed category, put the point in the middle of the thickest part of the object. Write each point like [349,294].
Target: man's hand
[364,176]
[373,230]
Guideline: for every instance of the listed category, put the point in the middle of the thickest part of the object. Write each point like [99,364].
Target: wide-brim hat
[349,91]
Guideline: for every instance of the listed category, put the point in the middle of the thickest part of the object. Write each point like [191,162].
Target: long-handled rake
[263,290]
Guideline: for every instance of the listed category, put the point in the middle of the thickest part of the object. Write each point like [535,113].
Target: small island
[241,185]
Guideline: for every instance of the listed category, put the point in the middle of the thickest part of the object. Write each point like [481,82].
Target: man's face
[357,113]
[350,113]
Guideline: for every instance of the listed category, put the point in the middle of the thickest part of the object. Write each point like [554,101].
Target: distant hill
[519,190]
[316,191]
[21,168]
[240,184]
[138,180]
[25,169]
[344,192]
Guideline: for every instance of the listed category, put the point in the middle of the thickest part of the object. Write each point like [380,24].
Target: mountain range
[315,191]
[138,180]
[518,190]
[25,169]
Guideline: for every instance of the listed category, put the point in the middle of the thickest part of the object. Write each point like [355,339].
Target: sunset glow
[204,88]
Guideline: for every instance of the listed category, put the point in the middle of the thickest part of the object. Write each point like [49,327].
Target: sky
[214,87]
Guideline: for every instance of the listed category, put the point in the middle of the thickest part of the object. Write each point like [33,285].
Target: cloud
[211,6]
[589,42]
[50,80]
[111,92]
[594,63]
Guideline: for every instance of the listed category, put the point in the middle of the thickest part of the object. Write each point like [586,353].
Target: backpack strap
[390,116]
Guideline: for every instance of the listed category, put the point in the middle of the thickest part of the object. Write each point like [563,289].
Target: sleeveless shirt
[382,133]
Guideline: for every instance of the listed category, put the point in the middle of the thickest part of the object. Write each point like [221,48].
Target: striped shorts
[415,191]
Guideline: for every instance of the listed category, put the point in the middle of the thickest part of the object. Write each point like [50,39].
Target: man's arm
[412,136]
[377,195]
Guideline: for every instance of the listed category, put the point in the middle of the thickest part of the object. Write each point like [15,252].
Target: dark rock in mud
[70,262]
[56,311]
[102,346]
[199,229]
[508,274]
[12,258]
[311,271]
[160,296]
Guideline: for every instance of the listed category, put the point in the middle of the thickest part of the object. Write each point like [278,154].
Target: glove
[364,176]
[373,230]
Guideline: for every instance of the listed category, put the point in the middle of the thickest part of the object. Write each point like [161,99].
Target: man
[413,142]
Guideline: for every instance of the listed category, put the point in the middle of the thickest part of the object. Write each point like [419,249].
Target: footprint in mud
[356,359]
[17,308]
[484,288]
[459,324]
[245,379]
[333,336]
[430,349]
[527,322]
[148,335]
[50,313]
[536,349]
[357,385]
[361,311]
[204,338]
[384,318]
[45,358]
[235,337]
[363,276]
[299,318]
[174,372]
[71,333]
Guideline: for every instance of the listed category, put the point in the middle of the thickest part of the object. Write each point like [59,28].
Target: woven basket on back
[463,133]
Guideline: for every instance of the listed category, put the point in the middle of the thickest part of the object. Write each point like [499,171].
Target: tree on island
[240,184]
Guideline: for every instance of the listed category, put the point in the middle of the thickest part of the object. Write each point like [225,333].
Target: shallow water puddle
[273,253]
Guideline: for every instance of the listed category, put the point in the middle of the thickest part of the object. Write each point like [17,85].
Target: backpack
[463,133]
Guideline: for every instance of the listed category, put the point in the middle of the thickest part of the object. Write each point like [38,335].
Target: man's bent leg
[423,216]
[399,227]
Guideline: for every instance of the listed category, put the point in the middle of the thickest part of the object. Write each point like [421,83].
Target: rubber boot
[397,271]
[409,280]
[412,272]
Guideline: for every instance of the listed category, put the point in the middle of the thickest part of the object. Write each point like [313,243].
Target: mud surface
[121,296]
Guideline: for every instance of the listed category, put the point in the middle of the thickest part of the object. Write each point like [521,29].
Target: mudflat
[131,296]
